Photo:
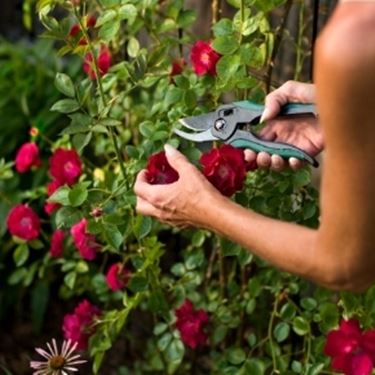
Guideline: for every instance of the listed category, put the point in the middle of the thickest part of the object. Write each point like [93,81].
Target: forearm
[286,245]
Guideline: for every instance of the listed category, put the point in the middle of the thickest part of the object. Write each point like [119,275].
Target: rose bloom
[23,222]
[85,242]
[159,170]
[49,207]
[204,58]
[74,30]
[80,325]
[27,156]
[177,67]
[225,168]
[352,351]
[65,166]
[104,62]
[117,277]
[57,243]
[190,323]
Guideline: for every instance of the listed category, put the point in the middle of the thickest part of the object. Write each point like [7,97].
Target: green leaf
[301,326]
[109,30]
[160,328]
[106,17]
[64,84]
[65,106]
[133,47]
[80,141]
[175,351]
[61,196]
[301,178]
[227,66]
[253,366]
[288,311]
[142,226]
[70,279]
[138,284]
[21,254]
[79,124]
[225,45]
[236,356]
[67,216]
[77,195]
[164,341]
[186,18]
[223,28]
[128,12]
[281,331]
[174,95]
[113,236]
[17,276]
[309,303]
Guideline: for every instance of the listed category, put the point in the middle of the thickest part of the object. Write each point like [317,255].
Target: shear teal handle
[244,140]
[284,150]
[288,109]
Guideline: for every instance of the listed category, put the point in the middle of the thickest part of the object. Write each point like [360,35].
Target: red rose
[104,63]
[117,277]
[225,168]
[23,222]
[190,323]
[85,242]
[79,326]
[90,21]
[352,351]
[49,208]
[74,30]
[159,170]
[177,67]
[65,166]
[27,157]
[204,58]
[57,242]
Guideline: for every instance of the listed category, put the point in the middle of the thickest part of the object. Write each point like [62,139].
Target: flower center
[57,362]
[205,58]
[25,222]
[68,166]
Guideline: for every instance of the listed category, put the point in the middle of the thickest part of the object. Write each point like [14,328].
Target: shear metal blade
[204,136]
[201,122]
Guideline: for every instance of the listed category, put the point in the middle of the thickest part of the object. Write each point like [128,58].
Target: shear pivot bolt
[220,124]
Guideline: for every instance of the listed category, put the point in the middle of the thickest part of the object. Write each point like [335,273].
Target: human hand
[182,203]
[302,131]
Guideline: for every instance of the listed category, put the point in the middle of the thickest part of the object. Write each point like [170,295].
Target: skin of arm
[339,255]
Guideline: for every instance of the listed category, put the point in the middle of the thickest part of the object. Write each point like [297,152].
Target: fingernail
[266,113]
[169,150]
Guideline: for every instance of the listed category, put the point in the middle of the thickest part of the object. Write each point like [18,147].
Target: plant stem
[215,7]
[270,328]
[278,40]
[299,51]
[101,91]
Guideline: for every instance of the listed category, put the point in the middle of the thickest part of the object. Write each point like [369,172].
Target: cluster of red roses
[351,349]
[225,167]
[65,168]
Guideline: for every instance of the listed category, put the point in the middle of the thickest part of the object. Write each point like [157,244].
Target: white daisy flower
[57,363]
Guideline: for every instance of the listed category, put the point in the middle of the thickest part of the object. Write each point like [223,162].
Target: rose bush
[181,301]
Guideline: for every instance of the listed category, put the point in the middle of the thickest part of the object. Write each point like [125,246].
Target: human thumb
[272,108]
[174,157]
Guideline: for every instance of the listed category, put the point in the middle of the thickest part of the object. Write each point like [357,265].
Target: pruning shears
[231,123]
